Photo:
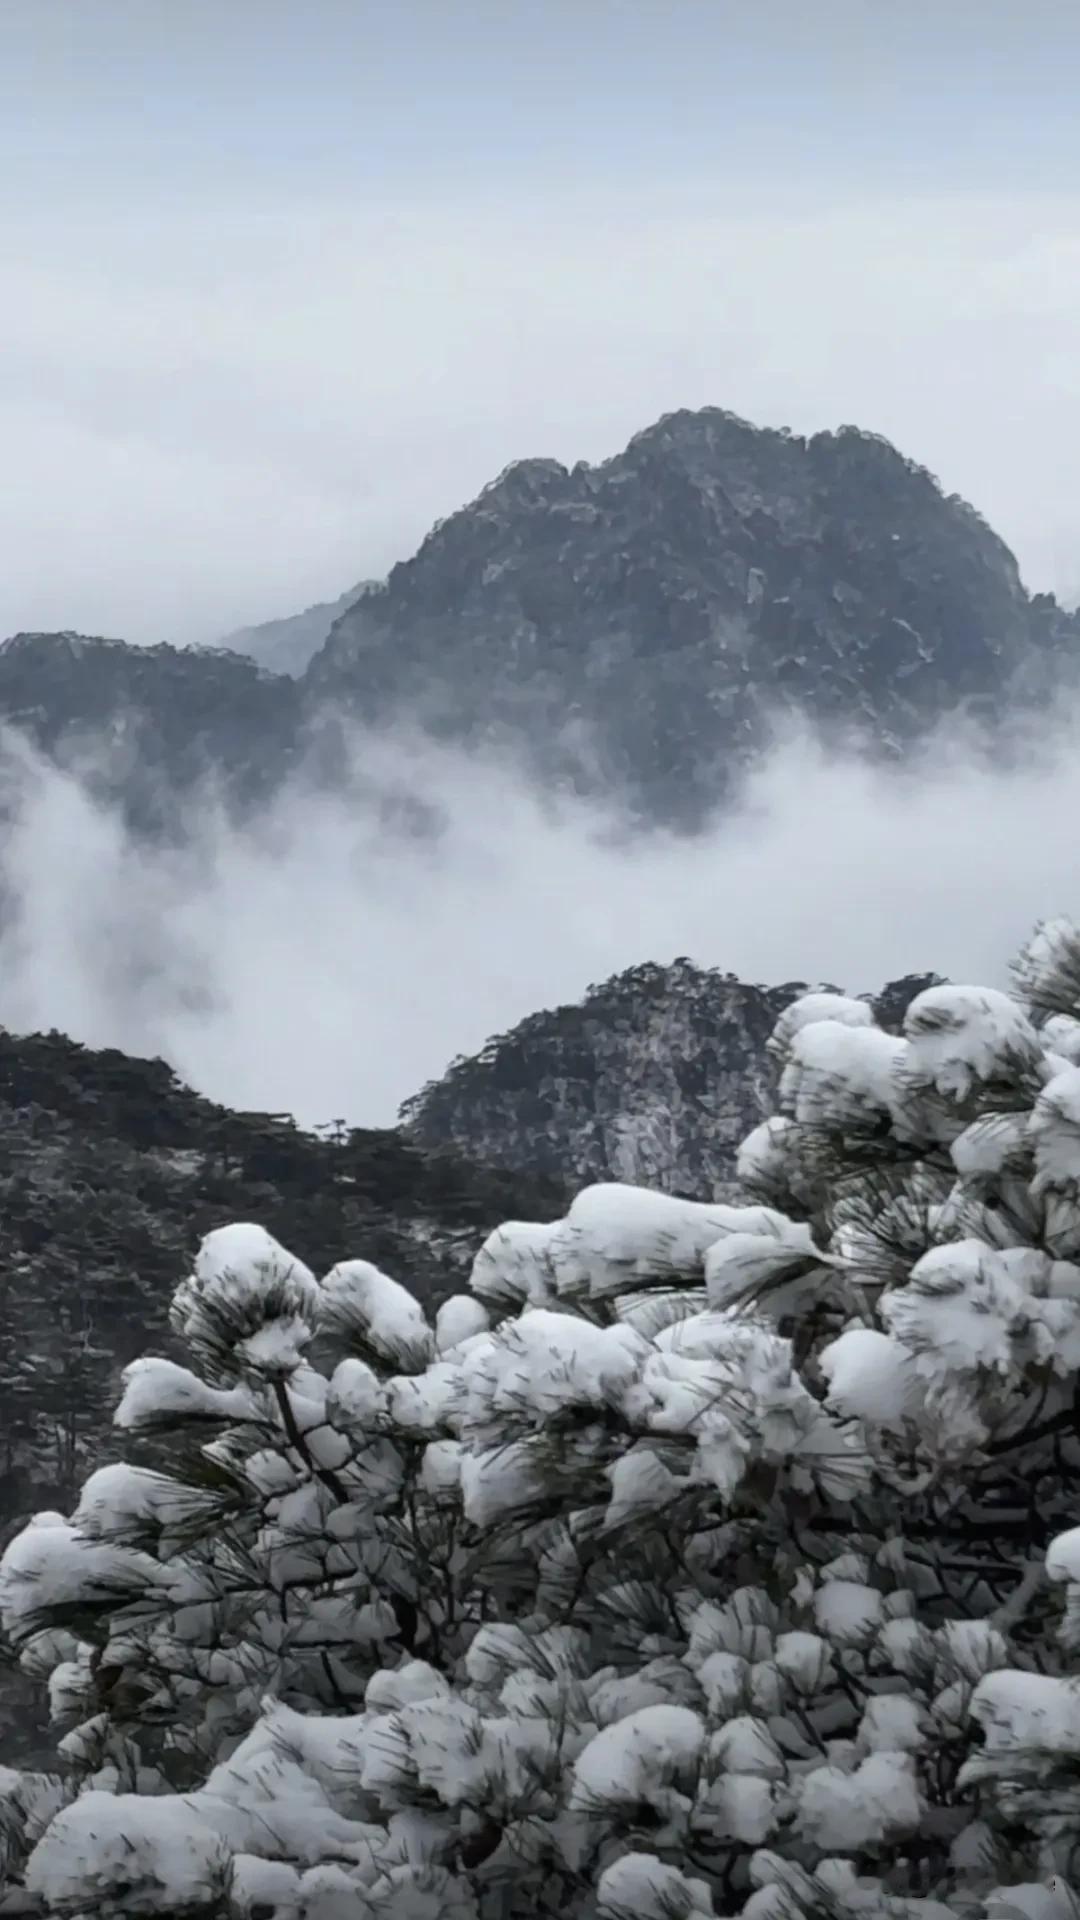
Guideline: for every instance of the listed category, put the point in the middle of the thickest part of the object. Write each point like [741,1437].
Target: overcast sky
[283,282]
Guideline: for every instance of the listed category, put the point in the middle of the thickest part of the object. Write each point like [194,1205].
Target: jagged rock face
[634,627]
[655,1079]
[145,725]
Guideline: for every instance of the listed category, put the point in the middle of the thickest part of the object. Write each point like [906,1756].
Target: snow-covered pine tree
[705,1560]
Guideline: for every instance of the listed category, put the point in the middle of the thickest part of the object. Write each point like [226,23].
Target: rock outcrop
[654,1078]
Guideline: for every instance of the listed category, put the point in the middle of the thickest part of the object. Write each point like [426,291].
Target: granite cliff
[654,1078]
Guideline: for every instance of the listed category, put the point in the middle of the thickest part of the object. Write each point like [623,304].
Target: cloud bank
[317,965]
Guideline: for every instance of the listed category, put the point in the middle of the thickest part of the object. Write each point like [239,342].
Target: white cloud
[315,966]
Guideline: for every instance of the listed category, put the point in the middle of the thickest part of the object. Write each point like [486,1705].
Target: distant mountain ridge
[287,645]
[146,726]
[630,630]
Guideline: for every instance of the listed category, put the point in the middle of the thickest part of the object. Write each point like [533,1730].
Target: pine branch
[1067,1420]
[326,1474]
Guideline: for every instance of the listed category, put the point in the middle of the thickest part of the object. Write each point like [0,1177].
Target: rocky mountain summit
[632,629]
[636,627]
[654,1079]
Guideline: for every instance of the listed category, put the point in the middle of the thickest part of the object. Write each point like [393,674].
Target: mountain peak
[525,481]
[677,598]
[632,629]
[699,426]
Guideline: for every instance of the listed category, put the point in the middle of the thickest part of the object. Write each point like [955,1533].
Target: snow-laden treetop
[701,1561]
